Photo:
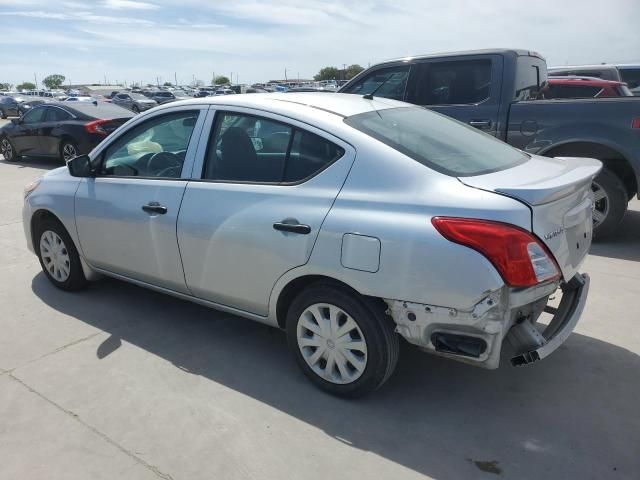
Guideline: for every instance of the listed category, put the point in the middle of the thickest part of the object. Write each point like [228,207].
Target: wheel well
[38,217]
[612,160]
[294,287]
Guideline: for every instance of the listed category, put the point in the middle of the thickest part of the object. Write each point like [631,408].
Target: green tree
[5,86]
[167,84]
[352,71]
[26,86]
[53,81]
[327,73]
[221,80]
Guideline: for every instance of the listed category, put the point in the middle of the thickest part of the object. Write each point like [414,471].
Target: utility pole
[175,78]
[35,79]
[344,71]
[285,74]
[105,78]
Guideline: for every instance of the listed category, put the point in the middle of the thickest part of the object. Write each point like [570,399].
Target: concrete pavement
[120,382]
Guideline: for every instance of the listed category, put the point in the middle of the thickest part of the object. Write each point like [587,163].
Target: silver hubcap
[331,343]
[601,206]
[69,152]
[7,151]
[55,256]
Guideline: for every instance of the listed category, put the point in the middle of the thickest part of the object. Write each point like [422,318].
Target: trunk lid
[558,192]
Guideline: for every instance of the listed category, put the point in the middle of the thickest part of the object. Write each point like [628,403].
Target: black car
[60,130]
[10,106]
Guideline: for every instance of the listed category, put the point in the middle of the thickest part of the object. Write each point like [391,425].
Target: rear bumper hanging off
[538,345]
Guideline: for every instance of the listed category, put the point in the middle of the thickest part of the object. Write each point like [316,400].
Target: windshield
[436,141]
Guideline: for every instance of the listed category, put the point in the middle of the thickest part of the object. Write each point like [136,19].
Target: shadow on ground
[573,411]
[41,163]
[625,243]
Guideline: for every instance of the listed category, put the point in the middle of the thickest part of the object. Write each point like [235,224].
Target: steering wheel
[163,163]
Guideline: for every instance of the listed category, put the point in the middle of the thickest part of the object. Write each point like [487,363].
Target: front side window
[247,148]
[440,143]
[386,82]
[453,83]
[631,76]
[35,115]
[155,148]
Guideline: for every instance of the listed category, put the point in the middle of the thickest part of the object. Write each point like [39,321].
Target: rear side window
[438,142]
[248,148]
[531,75]
[453,83]
[57,115]
[386,82]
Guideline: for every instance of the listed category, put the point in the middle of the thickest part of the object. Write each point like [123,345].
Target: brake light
[520,258]
[635,123]
[96,127]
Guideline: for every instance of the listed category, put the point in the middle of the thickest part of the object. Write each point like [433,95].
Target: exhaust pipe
[458,344]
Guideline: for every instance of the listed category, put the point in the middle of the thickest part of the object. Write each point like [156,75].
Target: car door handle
[292,227]
[480,123]
[154,207]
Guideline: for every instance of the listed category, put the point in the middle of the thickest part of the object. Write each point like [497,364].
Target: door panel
[117,235]
[237,239]
[26,140]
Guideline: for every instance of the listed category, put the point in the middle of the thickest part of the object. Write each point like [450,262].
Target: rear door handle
[292,227]
[480,123]
[154,207]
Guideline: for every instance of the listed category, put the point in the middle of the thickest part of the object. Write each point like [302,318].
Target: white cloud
[80,16]
[128,5]
[37,14]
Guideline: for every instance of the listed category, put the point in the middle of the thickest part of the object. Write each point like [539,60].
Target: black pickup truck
[497,91]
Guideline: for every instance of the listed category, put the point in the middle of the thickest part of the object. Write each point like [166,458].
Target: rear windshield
[438,142]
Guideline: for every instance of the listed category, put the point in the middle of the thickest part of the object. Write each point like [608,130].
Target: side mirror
[80,166]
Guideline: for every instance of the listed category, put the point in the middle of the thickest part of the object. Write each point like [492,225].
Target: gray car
[136,102]
[347,221]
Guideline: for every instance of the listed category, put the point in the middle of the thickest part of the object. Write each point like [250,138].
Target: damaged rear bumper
[476,336]
[536,346]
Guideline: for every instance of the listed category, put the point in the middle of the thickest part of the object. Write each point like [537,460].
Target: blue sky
[130,40]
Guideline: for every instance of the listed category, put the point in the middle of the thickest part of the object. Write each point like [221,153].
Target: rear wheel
[610,196]
[8,151]
[58,256]
[68,150]
[343,343]
[3,114]
[135,109]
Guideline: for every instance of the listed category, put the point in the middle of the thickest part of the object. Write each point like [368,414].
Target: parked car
[60,129]
[629,74]
[10,106]
[162,96]
[348,222]
[25,106]
[496,91]
[136,102]
[583,87]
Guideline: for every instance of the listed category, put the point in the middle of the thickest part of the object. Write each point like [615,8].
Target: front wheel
[135,109]
[343,343]
[3,114]
[610,196]
[58,256]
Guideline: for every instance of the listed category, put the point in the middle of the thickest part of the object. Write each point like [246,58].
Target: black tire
[75,279]
[135,109]
[382,342]
[614,206]
[3,114]
[8,150]
[65,148]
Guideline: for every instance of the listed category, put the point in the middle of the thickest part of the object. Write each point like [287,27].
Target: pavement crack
[105,437]
[10,223]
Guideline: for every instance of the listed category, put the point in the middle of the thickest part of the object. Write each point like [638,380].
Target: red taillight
[96,127]
[519,257]
[635,123]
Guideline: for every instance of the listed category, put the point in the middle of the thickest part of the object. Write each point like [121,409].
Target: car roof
[590,82]
[487,51]
[584,67]
[98,110]
[303,104]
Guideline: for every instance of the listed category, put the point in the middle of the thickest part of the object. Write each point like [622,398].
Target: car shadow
[436,417]
[625,243]
[40,163]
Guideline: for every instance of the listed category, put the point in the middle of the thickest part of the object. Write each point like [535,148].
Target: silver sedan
[349,222]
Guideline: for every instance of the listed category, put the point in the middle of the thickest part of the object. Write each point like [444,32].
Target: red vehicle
[584,87]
